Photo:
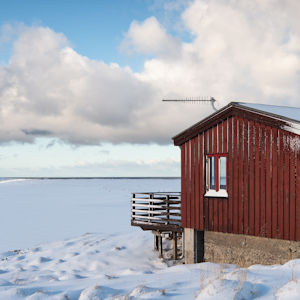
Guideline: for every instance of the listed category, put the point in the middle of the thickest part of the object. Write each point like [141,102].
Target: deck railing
[156,211]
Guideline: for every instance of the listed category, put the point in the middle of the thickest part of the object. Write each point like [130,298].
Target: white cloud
[241,50]
[149,37]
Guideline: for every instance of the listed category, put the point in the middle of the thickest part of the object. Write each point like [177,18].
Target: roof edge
[231,109]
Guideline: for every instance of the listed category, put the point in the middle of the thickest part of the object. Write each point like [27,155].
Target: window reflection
[222,161]
[212,175]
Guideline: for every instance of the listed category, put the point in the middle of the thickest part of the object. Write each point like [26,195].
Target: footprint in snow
[117,248]
[110,276]
[77,276]
[4,282]
[37,249]
[68,244]
[43,259]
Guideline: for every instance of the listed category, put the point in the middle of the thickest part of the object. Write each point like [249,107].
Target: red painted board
[251,177]
[202,181]
[286,188]
[262,181]
[257,180]
[292,187]
[246,178]
[235,159]
[280,185]
[241,175]
[268,184]
[274,190]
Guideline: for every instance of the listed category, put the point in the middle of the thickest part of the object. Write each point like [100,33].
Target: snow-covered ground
[71,239]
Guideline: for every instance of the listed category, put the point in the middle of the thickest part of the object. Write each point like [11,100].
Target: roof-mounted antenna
[210,100]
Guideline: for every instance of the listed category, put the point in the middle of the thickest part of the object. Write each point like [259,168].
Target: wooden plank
[286,188]
[235,177]
[192,183]
[183,186]
[251,178]
[262,181]
[297,153]
[197,183]
[157,226]
[257,180]
[225,202]
[153,218]
[216,200]
[220,200]
[206,200]
[246,178]
[201,181]
[156,212]
[280,185]
[274,193]
[268,183]
[188,186]
[157,201]
[210,201]
[230,177]
[241,175]
[292,235]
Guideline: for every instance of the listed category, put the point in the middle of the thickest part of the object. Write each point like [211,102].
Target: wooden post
[160,247]
[168,209]
[133,207]
[156,242]
[150,215]
[175,245]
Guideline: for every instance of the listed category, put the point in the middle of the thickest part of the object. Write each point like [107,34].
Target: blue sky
[81,83]
[95,29]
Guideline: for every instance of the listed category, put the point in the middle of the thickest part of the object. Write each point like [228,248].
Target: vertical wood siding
[263,180]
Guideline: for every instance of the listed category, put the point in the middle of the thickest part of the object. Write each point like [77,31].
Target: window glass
[212,175]
[222,161]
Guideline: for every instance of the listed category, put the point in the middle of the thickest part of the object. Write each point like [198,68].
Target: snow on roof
[288,112]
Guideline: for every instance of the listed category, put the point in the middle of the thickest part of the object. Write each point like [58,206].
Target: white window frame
[217,192]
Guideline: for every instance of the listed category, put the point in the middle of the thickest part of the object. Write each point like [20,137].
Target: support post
[175,245]
[155,242]
[160,247]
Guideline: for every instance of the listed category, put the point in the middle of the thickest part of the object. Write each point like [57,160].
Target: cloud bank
[240,50]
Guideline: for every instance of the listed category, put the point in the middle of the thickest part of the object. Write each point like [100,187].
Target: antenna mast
[211,100]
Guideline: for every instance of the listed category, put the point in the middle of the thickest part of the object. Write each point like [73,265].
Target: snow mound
[144,292]
[221,289]
[97,293]
[290,291]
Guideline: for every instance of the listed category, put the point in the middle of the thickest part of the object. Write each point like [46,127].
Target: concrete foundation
[248,250]
[193,246]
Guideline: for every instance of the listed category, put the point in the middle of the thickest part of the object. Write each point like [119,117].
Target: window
[216,175]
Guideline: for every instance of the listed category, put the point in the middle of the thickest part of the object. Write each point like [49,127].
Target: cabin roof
[284,117]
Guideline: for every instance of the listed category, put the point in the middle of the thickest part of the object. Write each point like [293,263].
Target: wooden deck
[156,211]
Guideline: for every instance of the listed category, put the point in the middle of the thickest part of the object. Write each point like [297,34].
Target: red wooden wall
[263,180]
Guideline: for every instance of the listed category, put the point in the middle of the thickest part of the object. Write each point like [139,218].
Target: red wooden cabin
[240,172]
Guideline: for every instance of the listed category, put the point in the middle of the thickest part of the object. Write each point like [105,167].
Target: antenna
[210,100]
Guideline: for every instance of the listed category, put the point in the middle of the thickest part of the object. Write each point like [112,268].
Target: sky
[82,83]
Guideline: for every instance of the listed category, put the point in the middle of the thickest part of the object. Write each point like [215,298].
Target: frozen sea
[72,240]
[45,210]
